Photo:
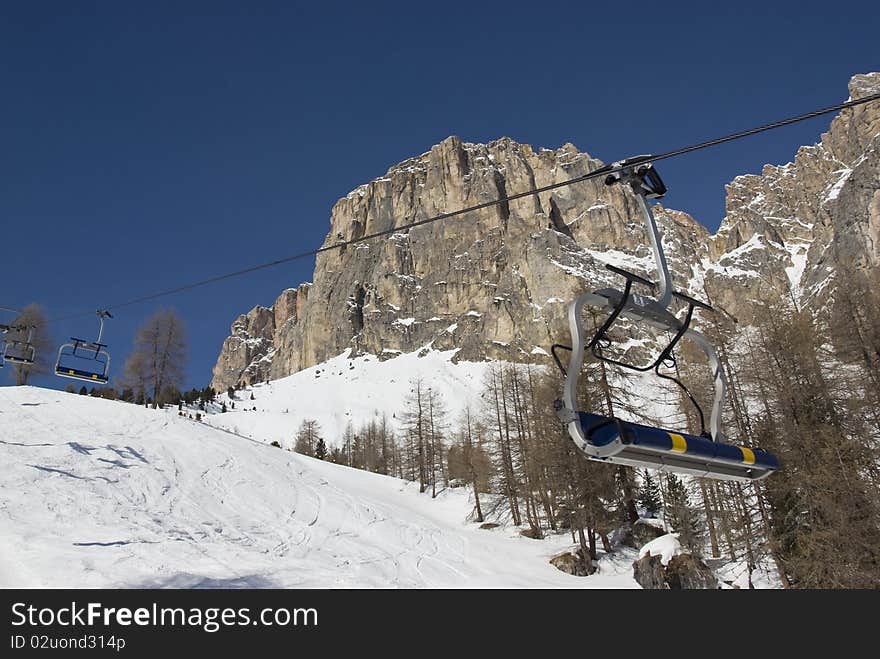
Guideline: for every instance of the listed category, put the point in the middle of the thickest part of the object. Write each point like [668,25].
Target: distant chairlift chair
[18,351]
[84,360]
[622,442]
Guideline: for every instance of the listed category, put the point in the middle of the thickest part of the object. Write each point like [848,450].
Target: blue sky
[146,145]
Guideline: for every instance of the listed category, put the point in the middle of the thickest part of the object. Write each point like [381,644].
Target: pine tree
[321,449]
[649,495]
[680,515]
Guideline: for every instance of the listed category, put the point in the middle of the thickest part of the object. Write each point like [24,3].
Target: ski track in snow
[106,494]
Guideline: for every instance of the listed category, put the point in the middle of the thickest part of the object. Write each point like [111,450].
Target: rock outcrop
[573,563]
[683,572]
[664,564]
[494,283]
[247,354]
[639,533]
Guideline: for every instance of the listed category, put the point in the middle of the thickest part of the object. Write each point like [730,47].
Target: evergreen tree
[680,515]
[649,495]
[321,449]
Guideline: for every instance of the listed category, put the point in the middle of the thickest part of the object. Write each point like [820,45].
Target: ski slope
[97,493]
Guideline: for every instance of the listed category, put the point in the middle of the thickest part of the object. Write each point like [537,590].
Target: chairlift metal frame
[614,440]
[89,350]
[26,353]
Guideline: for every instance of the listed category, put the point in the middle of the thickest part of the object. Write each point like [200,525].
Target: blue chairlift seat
[623,442]
[82,360]
[19,350]
[21,353]
[79,374]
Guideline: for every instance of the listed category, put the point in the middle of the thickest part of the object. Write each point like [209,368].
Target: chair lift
[609,439]
[82,360]
[4,329]
[18,351]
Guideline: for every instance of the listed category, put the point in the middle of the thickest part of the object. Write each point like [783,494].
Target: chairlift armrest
[630,275]
[692,301]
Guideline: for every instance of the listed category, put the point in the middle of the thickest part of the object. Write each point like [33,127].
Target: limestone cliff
[788,228]
[493,283]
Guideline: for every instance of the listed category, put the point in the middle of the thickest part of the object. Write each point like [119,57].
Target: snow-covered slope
[343,390]
[355,390]
[96,493]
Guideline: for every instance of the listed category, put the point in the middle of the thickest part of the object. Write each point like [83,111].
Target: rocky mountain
[790,227]
[494,283]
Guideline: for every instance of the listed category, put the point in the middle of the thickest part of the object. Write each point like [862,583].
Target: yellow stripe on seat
[679,443]
[748,455]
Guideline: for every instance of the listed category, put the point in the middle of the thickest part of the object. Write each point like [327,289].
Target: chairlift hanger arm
[641,176]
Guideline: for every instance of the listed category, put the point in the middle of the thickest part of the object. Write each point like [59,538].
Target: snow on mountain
[346,390]
[98,493]
[353,390]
